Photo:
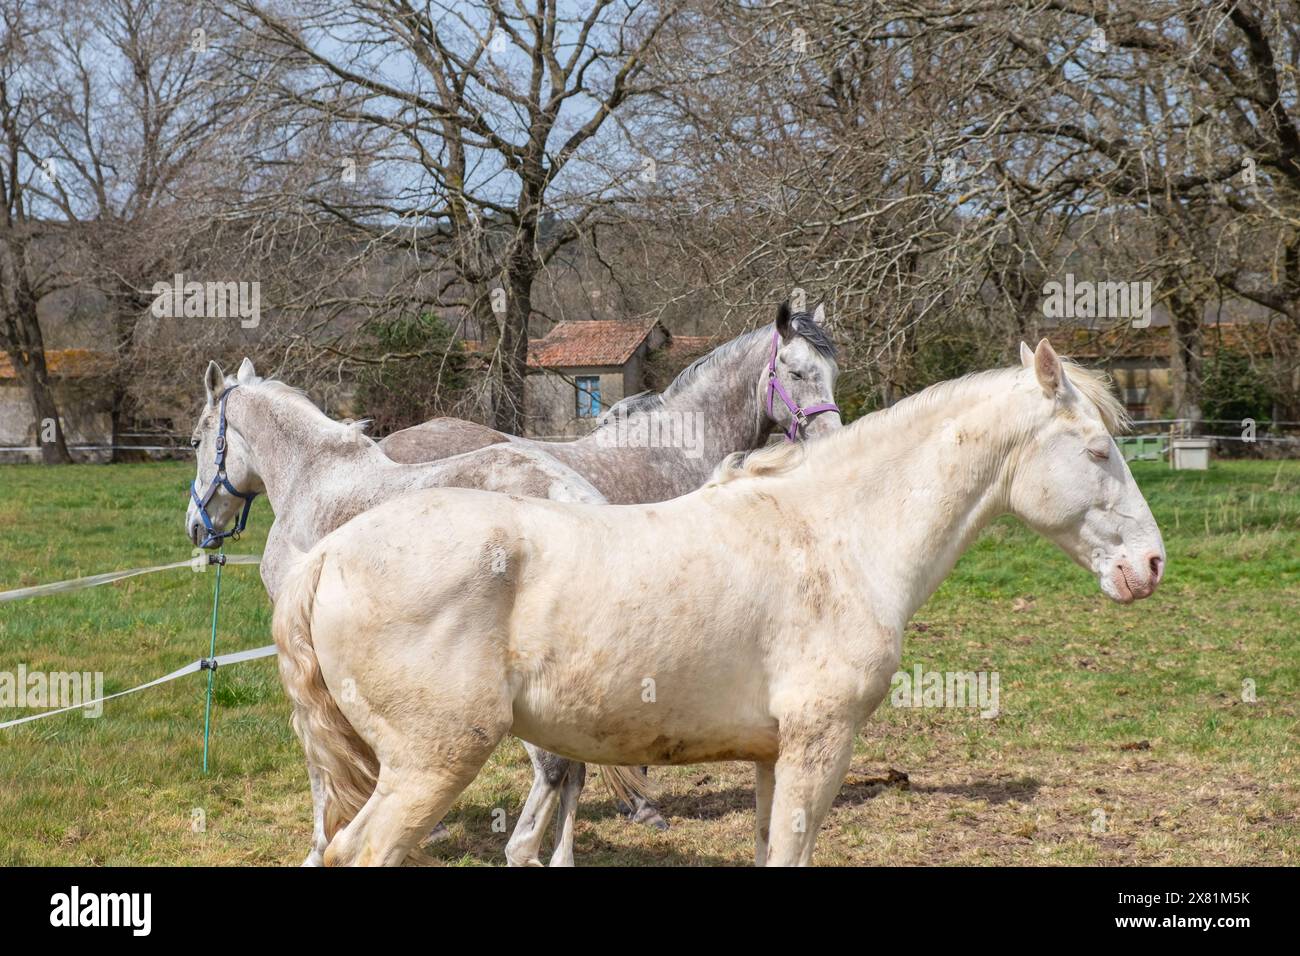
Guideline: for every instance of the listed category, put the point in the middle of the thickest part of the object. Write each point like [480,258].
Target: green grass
[1134,712]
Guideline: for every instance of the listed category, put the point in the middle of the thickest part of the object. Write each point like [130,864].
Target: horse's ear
[819,316]
[1026,355]
[213,380]
[246,373]
[1047,367]
[783,323]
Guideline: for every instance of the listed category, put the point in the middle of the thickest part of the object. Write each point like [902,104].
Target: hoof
[650,817]
[436,835]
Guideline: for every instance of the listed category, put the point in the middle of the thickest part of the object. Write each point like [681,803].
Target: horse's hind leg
[764,785]
[568,815]
[643,809]
[549,775]
[318,842]
[645,812]
[403,809]
[425,760]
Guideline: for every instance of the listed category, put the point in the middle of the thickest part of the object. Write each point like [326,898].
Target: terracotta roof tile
[591,343]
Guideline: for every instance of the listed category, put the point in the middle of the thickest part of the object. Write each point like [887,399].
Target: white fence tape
[77,584]
[222,660]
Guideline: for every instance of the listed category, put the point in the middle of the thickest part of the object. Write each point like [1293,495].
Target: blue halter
[219,480]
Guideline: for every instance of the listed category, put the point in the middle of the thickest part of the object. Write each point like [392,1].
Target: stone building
[580,368]
[77,376]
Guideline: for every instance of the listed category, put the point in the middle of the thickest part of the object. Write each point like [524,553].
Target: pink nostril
[1157,565]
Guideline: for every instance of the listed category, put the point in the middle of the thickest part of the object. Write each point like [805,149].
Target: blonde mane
[1096,387]
[1093,384]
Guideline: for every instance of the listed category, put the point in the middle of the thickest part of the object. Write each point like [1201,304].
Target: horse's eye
[1099,452]
[797,376]
[194,443]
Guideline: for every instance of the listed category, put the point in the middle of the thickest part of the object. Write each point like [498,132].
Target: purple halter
[799,417]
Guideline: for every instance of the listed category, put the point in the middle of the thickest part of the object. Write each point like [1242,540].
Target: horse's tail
[626,784]
[346,764]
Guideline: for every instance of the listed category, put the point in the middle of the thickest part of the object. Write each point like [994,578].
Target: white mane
[296,396]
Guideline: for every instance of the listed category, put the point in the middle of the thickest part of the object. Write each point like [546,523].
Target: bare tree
[921,166]
[29,262]
[484,131]
[1169,126]
[814,151]
[135,101]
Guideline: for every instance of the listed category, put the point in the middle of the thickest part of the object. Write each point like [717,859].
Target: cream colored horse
[759,618]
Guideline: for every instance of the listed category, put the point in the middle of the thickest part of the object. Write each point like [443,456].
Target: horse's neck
[720,410]
[726,396]
[298,451]
[930,481]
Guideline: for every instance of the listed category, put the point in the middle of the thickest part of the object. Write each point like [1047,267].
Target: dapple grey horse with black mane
[779,378]
[256,436]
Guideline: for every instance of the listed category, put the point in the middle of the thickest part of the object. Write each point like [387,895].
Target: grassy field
[1122,736]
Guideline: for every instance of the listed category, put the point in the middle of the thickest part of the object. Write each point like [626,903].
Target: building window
[588,396]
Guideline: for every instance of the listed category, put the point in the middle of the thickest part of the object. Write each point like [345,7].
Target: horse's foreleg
[764,784]
[549,773]
[808,774]
[567,818]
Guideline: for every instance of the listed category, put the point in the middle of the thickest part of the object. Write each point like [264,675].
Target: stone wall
[551,400]
[86,421]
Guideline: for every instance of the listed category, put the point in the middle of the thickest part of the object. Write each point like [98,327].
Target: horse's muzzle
[1132,584]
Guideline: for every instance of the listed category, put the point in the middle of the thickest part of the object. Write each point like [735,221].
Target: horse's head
[1071,484]
[798,384]
[227,479]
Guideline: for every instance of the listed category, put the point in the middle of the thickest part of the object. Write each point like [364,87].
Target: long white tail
[346,764]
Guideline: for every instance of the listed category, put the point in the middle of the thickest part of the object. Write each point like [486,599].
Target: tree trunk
[521,267]
[118,418]
[24,343]
[35,377]
[128,312]
[508,404]
[1185,371]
